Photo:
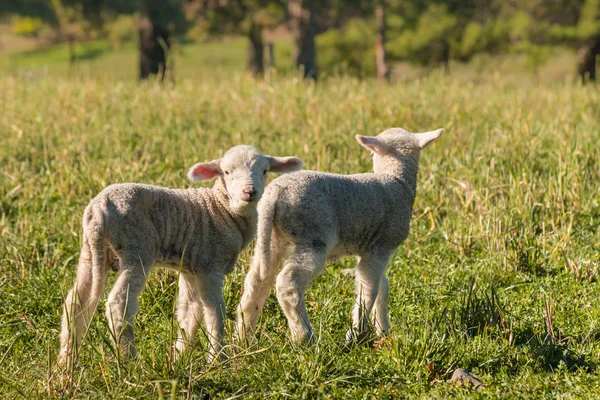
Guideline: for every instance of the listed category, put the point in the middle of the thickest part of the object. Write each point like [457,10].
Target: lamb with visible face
[199,232]
[317,215]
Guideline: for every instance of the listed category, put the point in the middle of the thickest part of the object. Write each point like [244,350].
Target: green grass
[97,60]
[504,235]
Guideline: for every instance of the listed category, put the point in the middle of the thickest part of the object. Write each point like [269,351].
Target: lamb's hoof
[217,360]
[65,379]
[244,339]
[355,337]
[303,339]
[127,350]
[179,353]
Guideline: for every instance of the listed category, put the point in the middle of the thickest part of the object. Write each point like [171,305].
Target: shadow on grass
[83,51]
[91,54]
[548,353]
[482,312]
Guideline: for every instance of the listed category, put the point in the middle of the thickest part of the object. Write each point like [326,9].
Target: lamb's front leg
[369,273]
[189,312]
[211,295]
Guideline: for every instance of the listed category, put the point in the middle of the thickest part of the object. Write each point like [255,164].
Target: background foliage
[424,32]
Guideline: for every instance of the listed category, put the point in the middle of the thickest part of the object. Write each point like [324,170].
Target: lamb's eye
[265,172]
[226,172]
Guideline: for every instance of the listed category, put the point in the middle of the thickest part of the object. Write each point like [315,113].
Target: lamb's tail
[83,297]
[94,253]
[262,252]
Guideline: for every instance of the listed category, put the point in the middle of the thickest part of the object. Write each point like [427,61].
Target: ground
[499,274]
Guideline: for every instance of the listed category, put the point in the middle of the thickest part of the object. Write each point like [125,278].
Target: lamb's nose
[250,193]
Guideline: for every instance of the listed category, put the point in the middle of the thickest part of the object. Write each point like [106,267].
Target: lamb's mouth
[249,201]
[246,203]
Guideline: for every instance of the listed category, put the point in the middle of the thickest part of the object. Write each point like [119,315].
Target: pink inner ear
[205,171]
[371,143]
[371,148]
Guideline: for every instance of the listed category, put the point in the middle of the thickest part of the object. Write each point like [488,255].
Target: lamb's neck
[220,191]
[245,218]
[403,171]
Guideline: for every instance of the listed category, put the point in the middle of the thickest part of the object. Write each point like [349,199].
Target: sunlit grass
[506,220]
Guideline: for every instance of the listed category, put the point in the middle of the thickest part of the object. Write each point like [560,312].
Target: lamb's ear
[372,144]
[282,165]
[205,171]
[425,138]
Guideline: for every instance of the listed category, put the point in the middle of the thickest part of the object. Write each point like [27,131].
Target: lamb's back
[355,211]
[171,223]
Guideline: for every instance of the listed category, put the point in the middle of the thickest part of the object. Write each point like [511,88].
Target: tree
[302,26]
[155,17]
[588,30]
[157,20]
[349,49]
[245,17]
[256,50]
[69,26]
[586,61]
[383,72]
[42,9]
[427,39]
[259,15]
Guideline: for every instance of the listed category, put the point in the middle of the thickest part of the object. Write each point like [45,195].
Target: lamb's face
[244,173]
[396,143]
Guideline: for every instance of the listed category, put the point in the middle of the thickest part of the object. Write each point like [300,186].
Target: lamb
[311,216]
[198,232]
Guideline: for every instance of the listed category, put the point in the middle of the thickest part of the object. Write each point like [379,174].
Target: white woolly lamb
[200,232]
[317,215]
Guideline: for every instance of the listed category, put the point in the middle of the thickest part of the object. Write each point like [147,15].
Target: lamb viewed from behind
[199,232]
[314,215]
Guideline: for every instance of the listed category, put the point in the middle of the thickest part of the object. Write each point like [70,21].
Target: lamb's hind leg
[82,299]
[123,301]
[380,314]
[257,286]
[304,264]
[369,273]
[189,312]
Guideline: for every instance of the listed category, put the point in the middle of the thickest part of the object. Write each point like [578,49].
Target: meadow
[499,274]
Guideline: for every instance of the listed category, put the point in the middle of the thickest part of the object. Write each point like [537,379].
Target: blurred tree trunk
[383,73]
[302,26]
[586,61]
[256,64]
[446,57]
[271,53]
[71,46]
[154,45]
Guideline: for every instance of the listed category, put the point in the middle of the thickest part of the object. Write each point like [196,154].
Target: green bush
[26,26]
[123,29]
[198,32]
[350,49]
[423,43]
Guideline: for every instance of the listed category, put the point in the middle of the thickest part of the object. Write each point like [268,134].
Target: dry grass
[502,253]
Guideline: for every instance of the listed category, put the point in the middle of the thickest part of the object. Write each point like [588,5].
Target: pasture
[499,275]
